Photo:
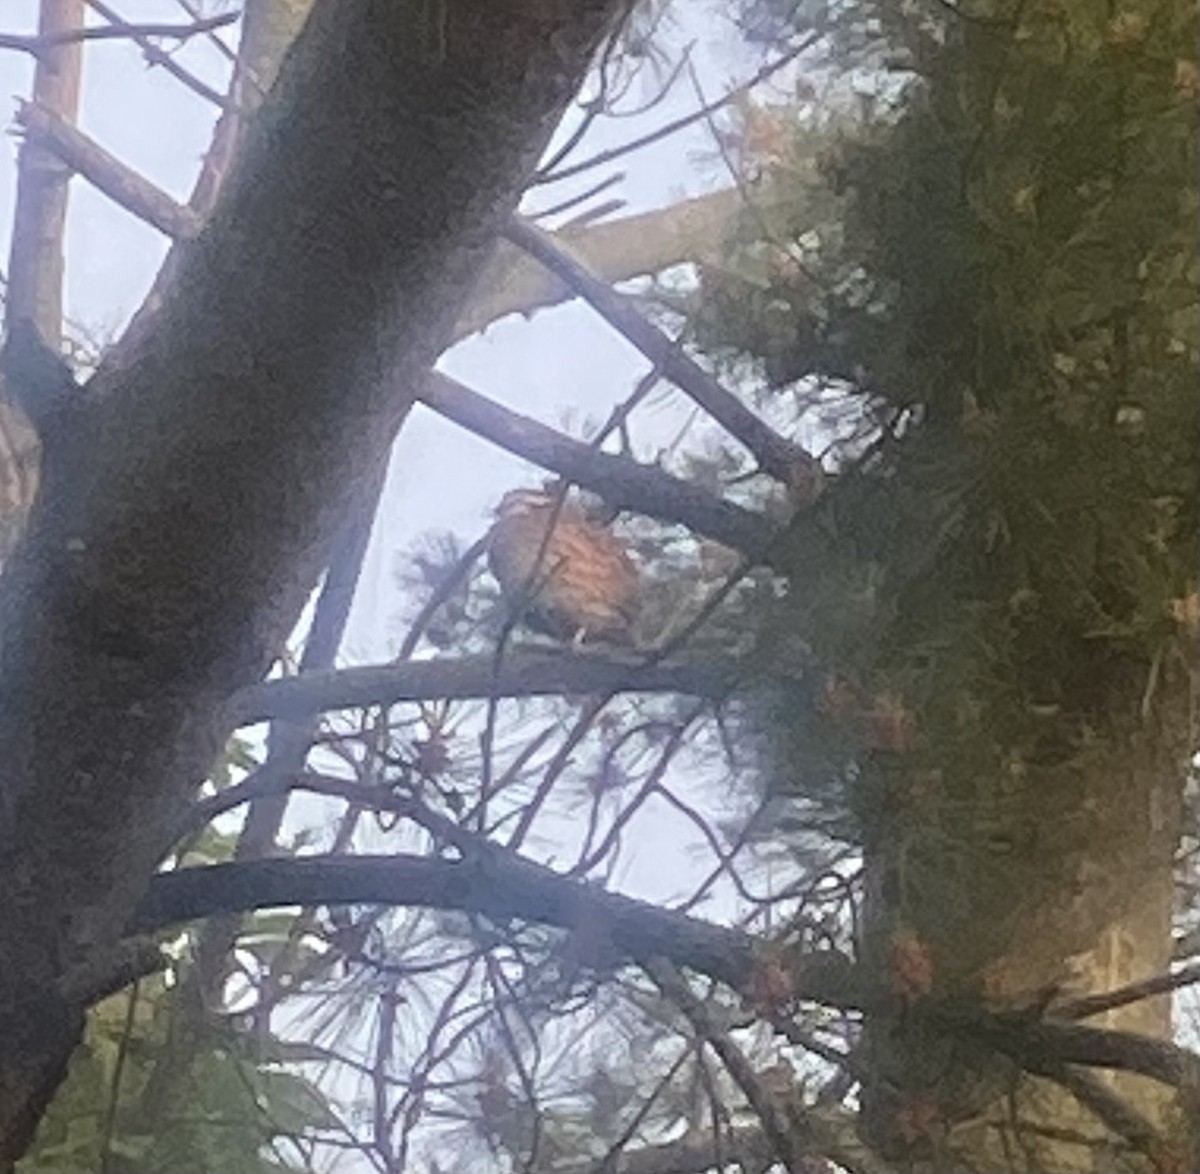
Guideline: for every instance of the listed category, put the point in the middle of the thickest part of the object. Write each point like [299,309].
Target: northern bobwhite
[579,584]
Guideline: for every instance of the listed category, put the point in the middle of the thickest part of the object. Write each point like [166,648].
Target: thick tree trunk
[1020,892]
[200,486]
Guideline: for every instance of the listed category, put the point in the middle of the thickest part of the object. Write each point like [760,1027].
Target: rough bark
[1052,884]
[205,473]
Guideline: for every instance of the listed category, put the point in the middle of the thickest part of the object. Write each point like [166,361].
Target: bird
[579,584]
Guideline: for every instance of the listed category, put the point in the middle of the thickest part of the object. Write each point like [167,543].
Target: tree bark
[1057,883]
[204,474]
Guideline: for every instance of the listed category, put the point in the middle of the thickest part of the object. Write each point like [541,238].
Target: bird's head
[520,503]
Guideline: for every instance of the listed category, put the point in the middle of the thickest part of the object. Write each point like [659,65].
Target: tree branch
[43,43]
[623,483]
[521,674]
[633,246]
[1042,1046]
[492,883]
[35,263]
[124,186]
[776,455]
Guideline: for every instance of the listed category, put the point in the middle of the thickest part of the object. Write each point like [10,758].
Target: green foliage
[223,1113]
[1001,278]
[158,1086]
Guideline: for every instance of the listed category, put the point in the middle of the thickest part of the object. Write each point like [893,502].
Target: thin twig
[116,31]
[678,124]
[156,56]
[194,12]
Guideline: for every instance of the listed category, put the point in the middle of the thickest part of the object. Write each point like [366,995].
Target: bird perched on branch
[578,583]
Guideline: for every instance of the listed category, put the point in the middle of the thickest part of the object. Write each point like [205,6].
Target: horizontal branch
[494,884]
[520,674]
[623,483]
[775,454]
[43,42]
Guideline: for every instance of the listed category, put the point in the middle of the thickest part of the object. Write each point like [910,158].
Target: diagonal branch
[776,455]
[121,183]
[623,483]
[796,1132]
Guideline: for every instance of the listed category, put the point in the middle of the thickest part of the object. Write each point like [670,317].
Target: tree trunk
[1018,892]
[204,475]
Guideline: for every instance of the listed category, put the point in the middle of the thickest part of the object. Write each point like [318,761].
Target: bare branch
[623,483]
[776,455]
[633,246]
[126,187]
[155,55]
[525,674]
[43,43]
[493,883]
[703,113]
[1159,984]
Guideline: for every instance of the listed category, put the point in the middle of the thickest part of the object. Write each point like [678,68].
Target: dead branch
[155,55]
[634,246]
[553,173]
[35,264]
